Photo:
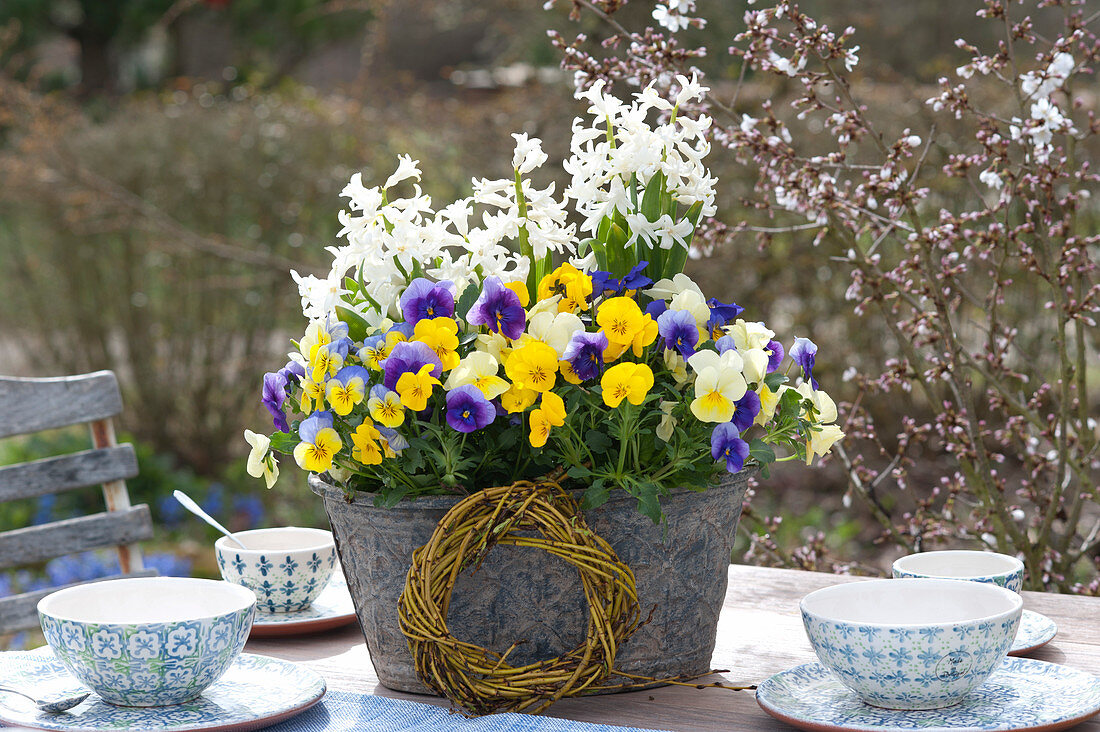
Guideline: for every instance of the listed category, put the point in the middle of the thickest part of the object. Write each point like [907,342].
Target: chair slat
[39,543]
[66,472]
[20,612]
[33,405]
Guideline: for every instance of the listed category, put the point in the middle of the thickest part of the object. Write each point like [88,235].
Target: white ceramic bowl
[148,641]
[997,569]
[286,567]
[914,643]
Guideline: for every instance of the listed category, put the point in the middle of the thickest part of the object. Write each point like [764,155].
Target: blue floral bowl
[149,641]
[286,567]
[989,567]
[914,643]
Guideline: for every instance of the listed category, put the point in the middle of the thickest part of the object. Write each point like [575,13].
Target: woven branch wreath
[480,680]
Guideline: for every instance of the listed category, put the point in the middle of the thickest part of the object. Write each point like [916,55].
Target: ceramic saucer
[332,608]
[1023,694]
[1036,630]
[255,692]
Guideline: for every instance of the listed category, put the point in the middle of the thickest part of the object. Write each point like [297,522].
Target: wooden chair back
[37,404]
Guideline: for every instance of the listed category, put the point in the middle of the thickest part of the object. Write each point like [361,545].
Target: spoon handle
[190,505]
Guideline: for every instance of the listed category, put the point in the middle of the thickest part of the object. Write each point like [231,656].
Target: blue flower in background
[43,512]
[169,510]
[215,499]
[251,508]
[168,565]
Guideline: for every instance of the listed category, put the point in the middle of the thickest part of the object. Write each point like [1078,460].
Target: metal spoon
[190,505]
[53,706]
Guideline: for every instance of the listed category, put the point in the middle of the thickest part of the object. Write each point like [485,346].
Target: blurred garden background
[164,164]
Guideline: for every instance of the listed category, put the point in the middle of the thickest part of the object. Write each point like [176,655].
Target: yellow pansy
[313,392]
[645,335]
[517,399]
[567,372]
[316,335]
[551,413]
[520,288]
[324,360]
[365,447]
[621,319]
[441,335]
[346,390]
[630,381]
[574,286]
[385,406]
[534,365]
[769,400]
[479,369]
[415,389]
[320,443]
[716,393]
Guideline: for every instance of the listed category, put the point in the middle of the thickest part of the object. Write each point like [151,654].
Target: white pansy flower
[261,464]
[756,365]
[693,302]
[554,329]
[747,336]
[728,361]
[665,289]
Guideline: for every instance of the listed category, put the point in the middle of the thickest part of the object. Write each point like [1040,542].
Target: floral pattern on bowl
[149,664]
[910,668]
[1022,694]
[285,581]
[973,566]
[255,691]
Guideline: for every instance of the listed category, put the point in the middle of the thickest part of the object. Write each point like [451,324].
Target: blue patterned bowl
[286,567]
[148,641]
[995,569]
[911,644]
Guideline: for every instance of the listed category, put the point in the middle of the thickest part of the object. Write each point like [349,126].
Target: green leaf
[390,496]
[774,380]
[351,284]
[284,443]
[466,301]
[651,199]
[648,504]
[579,471]
[595,495]
[357,326]
[761,451]
[597,442]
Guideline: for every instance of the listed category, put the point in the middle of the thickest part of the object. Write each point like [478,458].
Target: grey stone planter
[522,593]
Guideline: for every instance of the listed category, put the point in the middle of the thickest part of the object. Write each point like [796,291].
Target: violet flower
[585,354]
[311,425]
[499,308]
[424,299]
[408,356]
[720,314]
[726,444]
[775,355]
[803,353]
[293,372]
[634,279]
[726,343]
[678,329]
[655,308]
[468,409]
[274,394]
[745,410]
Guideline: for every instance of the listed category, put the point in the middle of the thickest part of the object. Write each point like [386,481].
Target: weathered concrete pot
[521,593]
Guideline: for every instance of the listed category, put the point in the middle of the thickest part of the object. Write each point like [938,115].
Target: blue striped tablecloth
[343,712]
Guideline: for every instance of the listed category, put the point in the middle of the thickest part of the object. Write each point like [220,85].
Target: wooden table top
[759,634]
